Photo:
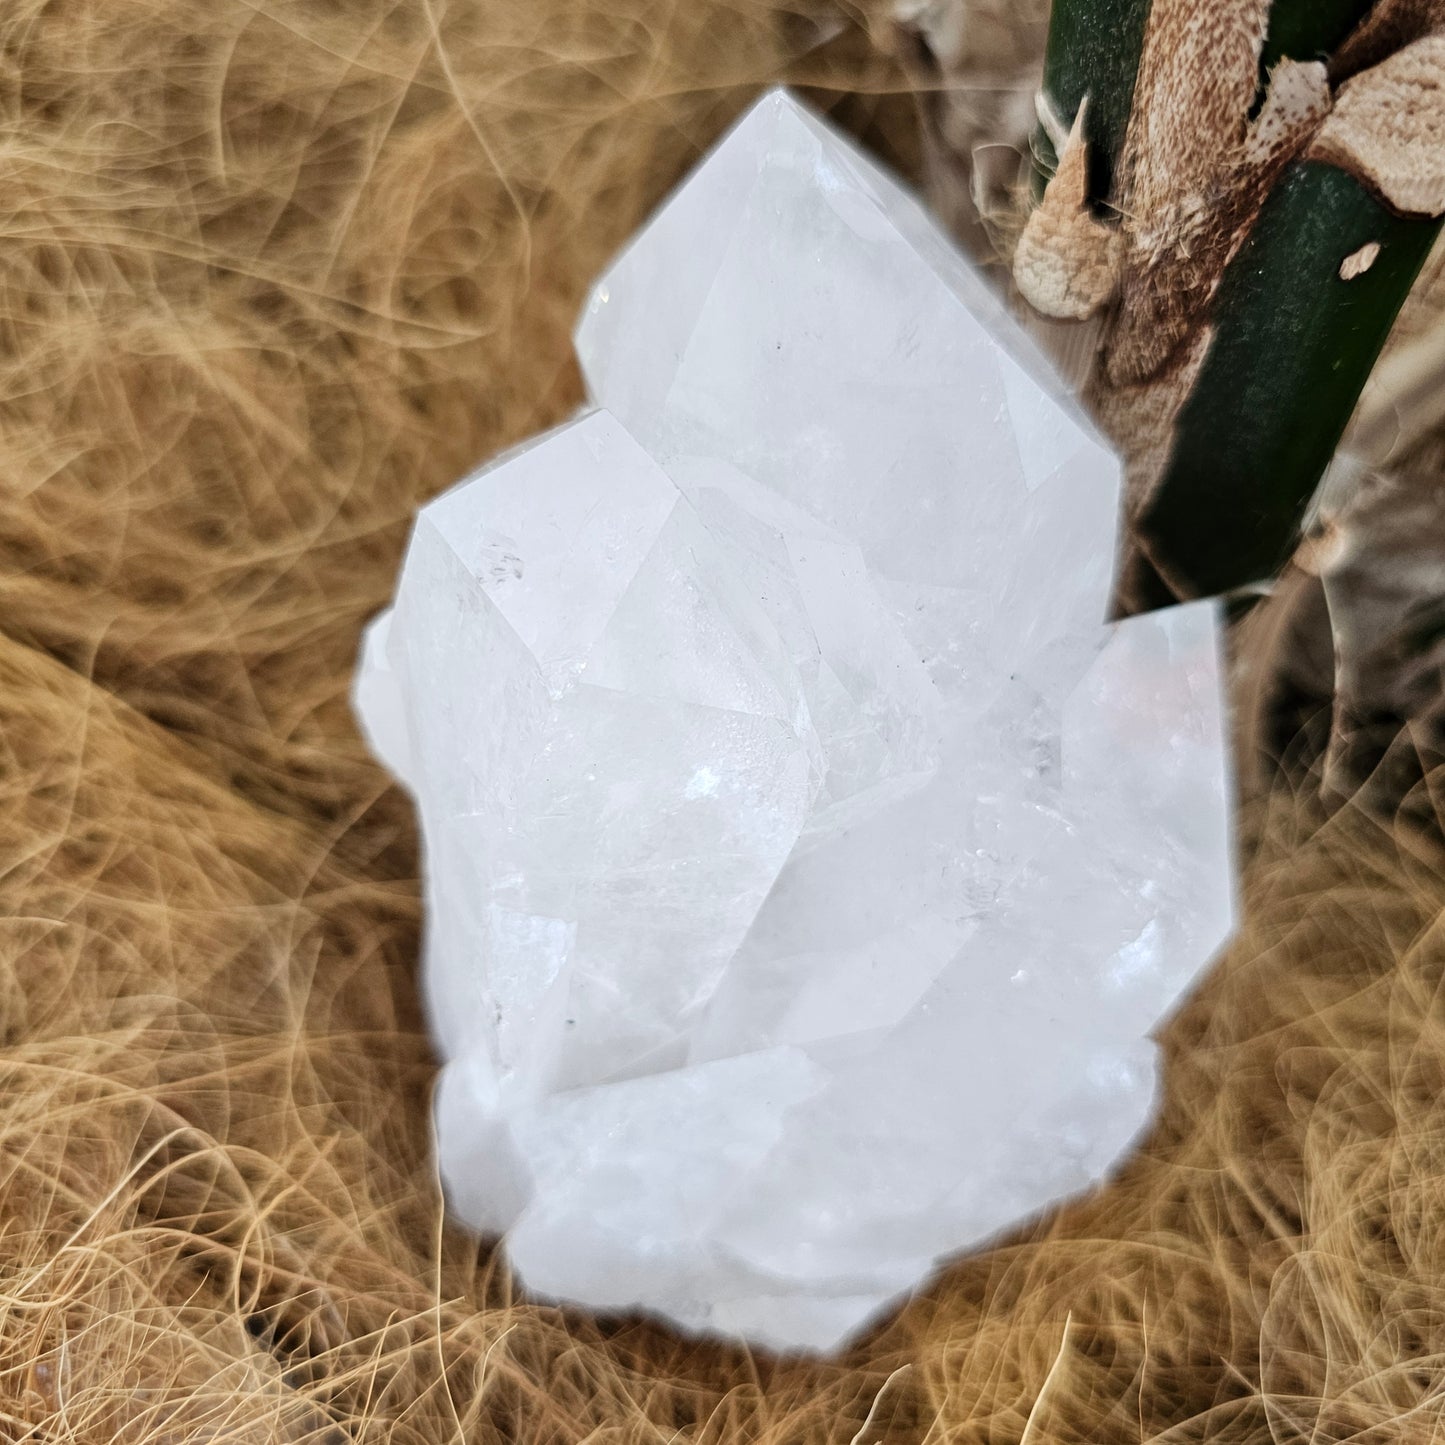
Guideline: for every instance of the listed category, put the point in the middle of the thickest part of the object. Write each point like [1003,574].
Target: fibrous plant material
[806,861]
[274,275]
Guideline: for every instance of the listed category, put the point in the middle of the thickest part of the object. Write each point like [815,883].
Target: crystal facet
[806,860]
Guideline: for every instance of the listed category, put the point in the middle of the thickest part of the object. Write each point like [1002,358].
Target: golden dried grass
[274,270]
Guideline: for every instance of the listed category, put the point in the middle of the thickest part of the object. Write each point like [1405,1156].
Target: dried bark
[1390,26]
[1196,170]
[1066,264]
[1388,129]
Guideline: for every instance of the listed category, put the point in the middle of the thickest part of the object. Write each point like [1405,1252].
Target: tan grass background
[272,271]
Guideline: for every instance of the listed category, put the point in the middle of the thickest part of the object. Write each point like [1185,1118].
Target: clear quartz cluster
[806,860]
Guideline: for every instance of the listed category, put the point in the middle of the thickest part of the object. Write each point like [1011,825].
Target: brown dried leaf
[1385,582]
[976,65]
[1066,264]
[1388,129]
[1404,401]
[1284,678]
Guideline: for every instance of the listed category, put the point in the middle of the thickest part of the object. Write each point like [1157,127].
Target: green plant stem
[1093,50]
[1308,29]
[1292,349]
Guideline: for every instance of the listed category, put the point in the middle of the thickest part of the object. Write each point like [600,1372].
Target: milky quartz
[806,861]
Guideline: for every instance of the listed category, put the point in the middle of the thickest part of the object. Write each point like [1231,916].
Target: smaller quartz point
[807,862]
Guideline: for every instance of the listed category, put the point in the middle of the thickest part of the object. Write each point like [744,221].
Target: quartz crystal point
[806,861]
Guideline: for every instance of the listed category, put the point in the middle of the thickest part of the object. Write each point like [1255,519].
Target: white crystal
[806,861]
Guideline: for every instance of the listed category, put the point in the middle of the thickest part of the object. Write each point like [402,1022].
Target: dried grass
[273,270]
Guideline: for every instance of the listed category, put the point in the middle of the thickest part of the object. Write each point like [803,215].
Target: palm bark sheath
[1244,194]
